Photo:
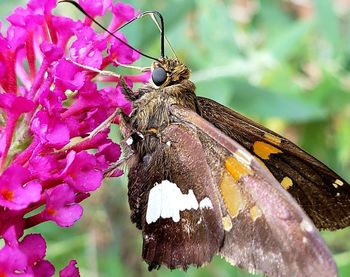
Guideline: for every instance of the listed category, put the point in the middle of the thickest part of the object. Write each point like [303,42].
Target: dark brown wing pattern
[168,197]
[323,194]
[265,229]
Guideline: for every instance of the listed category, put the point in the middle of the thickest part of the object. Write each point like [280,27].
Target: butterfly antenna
[109,32]
[166,39]
[160,26]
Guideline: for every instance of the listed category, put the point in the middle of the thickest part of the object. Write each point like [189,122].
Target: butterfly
[205,180]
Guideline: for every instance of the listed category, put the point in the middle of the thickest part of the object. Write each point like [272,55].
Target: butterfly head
[167,71]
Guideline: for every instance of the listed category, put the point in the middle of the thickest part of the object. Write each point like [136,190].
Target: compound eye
[159,76]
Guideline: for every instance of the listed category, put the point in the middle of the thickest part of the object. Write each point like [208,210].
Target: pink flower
[50,106]
[70,270]
[12,260]
[34,247]
[61,207]
[26,258]
[16,191]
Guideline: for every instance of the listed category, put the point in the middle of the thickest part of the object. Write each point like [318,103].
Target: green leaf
[290,41]
[264,103]
[328,23]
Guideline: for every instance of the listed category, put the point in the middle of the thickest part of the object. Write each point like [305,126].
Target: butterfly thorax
[151,110]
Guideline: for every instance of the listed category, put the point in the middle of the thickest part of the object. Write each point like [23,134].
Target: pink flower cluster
[48,107]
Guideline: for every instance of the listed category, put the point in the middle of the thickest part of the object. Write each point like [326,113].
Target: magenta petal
[88,180]
[15,193]
[50,130]
[11,260]
[24,18]
[70,270]
[43,166]
[111,151]
[60,206]
[122,53]
[60,196]
[43,269]
[95,8]
[34,247]
[52,52]
[42,7]
[15,104]
[16,37]
[122,12]
[58,135]
[88,47]
[67,216]
[69,76]
[84,173]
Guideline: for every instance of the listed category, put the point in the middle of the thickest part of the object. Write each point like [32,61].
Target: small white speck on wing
[129,141]
[338,183]
[140,135]
[168,143]
[206,203]
[306,226]
[243,156]
[166,200]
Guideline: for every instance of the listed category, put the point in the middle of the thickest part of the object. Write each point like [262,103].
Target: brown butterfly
[205,180]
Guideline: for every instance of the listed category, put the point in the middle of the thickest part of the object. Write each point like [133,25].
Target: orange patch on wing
[255,212]
[153,130]
[273,139]
[231,195]
[236,168]
[264,150]
[287,182]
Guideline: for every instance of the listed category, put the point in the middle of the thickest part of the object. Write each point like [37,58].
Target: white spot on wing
[243,156]
[168,143]
[206,203]
[140,135]
[166,200]
[129,141]
[306,226]
[338,183]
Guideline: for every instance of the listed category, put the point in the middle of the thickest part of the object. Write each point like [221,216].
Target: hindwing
[323,194]
[265,229]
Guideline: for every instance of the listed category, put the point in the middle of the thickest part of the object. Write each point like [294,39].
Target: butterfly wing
[169,192]
[265,229]
[199,193]
[323,194]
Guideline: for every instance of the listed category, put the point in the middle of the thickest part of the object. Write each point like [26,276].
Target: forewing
[323,194]
[265,229]
[175,202]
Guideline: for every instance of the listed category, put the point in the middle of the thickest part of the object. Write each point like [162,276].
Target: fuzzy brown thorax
[151,105]
[151,109]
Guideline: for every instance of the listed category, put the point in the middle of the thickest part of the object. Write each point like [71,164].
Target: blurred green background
[284,63]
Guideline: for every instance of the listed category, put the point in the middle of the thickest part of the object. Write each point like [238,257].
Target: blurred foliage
[284,63]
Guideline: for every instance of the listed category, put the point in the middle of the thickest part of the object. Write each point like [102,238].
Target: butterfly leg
[127,91]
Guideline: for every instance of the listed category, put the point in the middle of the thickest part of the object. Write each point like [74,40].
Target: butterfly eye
[159,76]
